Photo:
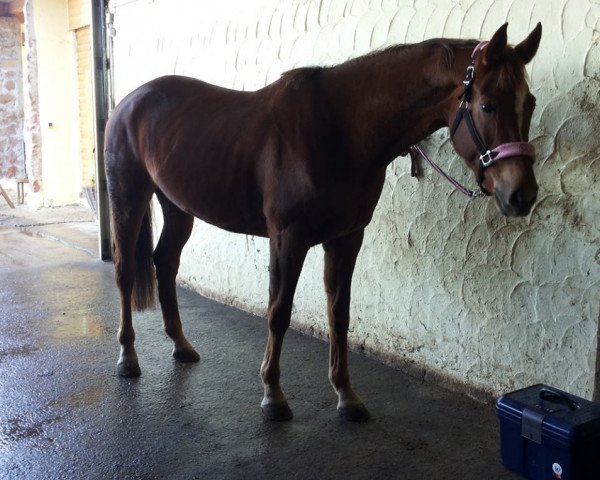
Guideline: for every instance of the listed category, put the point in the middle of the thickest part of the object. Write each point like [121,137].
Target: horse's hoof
[277,412]
[186,355]
[128,369]
[354,413]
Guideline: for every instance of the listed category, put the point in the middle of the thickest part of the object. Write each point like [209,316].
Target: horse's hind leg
[176,232]
[132,240]
[340,258]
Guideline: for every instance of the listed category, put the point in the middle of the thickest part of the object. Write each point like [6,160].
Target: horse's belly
[233,209]
[248,223]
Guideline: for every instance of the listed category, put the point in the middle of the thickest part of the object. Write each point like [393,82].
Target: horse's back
[202,145]
[181,102]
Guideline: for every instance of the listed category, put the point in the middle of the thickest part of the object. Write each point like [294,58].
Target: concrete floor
[65,414]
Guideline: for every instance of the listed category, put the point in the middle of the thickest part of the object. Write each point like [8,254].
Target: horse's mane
[512,72]
[447,46]
[298,76]
[508,76]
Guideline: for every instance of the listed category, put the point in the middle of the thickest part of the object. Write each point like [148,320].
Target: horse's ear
[494,49]
[528,47]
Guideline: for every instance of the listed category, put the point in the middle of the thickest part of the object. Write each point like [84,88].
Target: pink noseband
[514,149]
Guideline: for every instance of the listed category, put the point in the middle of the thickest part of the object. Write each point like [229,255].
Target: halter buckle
[487,158]
[469,76]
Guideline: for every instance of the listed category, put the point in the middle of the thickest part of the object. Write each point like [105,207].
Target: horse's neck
[386,109]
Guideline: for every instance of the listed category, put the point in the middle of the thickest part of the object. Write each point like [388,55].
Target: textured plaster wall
[11,100]
[442,283]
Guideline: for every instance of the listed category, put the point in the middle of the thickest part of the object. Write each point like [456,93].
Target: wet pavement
[65,414]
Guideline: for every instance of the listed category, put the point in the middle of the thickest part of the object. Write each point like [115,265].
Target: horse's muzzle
[517,203]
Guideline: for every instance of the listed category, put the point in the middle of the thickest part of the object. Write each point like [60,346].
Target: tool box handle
[556,396]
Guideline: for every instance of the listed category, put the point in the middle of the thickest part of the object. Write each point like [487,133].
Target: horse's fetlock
[173,332]
[126,337]
[270,377]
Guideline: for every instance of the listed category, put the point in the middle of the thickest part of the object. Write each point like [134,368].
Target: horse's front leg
[288,252]
[340,258]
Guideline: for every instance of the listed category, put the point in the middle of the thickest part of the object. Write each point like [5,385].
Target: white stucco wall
[442,282]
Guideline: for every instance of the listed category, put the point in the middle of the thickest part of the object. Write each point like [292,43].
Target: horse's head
[491,128]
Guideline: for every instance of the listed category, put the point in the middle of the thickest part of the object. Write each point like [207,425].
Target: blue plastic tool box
[548,434]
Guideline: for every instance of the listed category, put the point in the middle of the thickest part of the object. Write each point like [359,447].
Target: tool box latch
[531,425]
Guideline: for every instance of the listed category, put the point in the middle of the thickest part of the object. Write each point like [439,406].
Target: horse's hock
[441,282]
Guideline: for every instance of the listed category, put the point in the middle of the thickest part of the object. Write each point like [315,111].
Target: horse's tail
[144,285]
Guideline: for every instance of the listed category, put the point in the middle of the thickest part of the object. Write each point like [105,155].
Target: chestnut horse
[302,162]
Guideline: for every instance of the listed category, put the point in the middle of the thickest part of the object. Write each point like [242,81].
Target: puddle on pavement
[83,398]
[79,326]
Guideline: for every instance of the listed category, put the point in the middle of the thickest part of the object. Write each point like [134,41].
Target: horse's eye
[488,107]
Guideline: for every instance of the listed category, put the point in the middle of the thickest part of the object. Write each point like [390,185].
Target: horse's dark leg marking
[340,258]
[287,257]
[175,233]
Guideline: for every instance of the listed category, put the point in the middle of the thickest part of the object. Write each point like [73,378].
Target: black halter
[486,157]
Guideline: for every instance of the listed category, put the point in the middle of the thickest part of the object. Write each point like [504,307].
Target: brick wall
[11,100]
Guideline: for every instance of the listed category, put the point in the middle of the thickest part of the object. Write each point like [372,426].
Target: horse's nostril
[521,199]
[516,198]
